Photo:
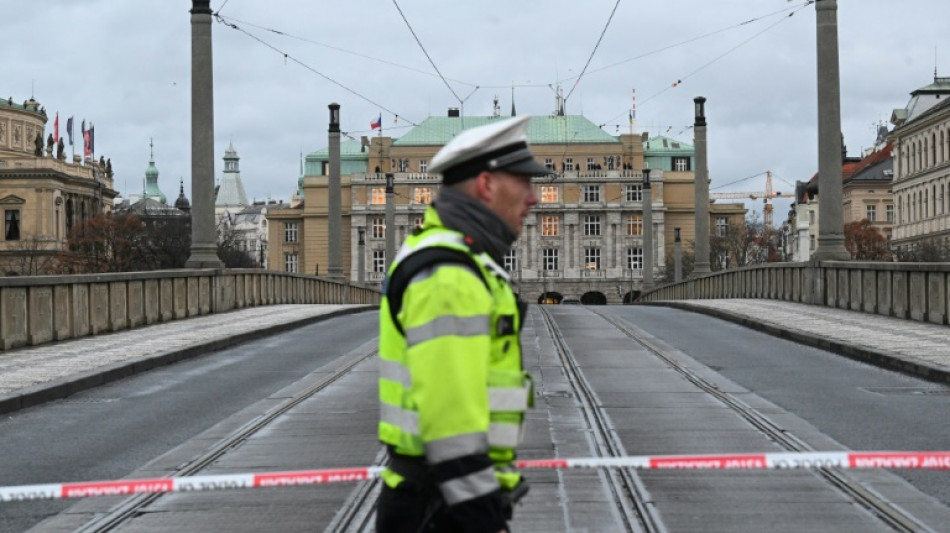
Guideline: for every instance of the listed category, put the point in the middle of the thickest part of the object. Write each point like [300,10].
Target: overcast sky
[124,65]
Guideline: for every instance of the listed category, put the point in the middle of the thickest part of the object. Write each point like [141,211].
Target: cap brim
[527,167]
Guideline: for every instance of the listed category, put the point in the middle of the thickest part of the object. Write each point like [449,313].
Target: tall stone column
[390,220]
[647,232]
[677,256]
[334,200]
[701,190]
[204,238]
[830,210]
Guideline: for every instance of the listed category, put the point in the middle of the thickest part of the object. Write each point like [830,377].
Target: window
[290,263]
[550,225]
[591,225]
[811,244]
[721,226]
[549,258]
[590,164]
[634,192]
[569,163]
[423,165]
[723,260]
[416,223]
[549,163]
[379,260]
[290,232]
[592,258]
[889,212]
[549,194]
[681,164]
[872,213]
[511,260]
[591,193]
[378,227]
[422,195]
[635,258]
[377,195]
[811,217]
[11,229]
[634,225]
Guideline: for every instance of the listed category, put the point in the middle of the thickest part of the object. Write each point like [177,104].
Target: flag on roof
[69,129]
[378,123]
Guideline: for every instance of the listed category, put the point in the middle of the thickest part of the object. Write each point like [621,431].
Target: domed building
[43,193]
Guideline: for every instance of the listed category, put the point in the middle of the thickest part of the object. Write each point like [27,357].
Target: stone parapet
[39,309]
[915,291]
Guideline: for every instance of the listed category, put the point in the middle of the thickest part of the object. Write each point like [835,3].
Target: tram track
[634,507]
[129,508]
[862,495]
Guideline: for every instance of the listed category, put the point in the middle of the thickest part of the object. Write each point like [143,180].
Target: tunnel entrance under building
[631,297]
[594,298]
[550,298]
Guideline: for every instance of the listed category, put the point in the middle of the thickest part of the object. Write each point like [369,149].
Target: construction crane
[766,196]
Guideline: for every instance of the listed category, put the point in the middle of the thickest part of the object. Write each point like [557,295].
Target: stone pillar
[648,250]
[701,263]
[830,210]
[677,256]
[390,221]
[204,238]
[361,259]
[335,202]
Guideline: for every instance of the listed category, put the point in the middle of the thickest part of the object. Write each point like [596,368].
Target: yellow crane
[766,196]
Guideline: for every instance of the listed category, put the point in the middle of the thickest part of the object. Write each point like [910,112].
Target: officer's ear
[483,186]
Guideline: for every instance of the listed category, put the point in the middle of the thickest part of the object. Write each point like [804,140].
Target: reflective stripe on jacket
[453,386]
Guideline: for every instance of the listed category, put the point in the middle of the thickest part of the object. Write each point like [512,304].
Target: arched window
[933,146]
[69,216]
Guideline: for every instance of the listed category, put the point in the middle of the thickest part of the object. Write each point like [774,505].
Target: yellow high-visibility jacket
[452,387]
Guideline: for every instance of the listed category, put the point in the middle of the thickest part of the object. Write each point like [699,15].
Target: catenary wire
[431,62]
[594,51]
[232,25]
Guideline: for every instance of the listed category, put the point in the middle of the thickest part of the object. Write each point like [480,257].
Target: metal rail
[633,502]
[131,507]
[862,495]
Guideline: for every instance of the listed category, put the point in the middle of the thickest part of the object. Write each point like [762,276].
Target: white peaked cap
[499,146]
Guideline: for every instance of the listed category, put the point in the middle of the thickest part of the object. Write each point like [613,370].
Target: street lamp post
[701,190]
[390,220]
[677,256]
[647,231]
[334,209]
[361,259]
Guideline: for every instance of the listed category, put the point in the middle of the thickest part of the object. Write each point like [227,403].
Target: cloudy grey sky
[125,66]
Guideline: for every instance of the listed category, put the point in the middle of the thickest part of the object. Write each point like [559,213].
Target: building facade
[921,140]
[43,193]
[583,240]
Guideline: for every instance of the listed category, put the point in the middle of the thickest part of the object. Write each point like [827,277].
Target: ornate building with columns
[584,239]
[43,193]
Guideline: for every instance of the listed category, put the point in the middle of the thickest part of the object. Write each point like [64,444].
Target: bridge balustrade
[40,309]
[914,291]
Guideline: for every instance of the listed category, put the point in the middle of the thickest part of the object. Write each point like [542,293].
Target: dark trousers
[411,509]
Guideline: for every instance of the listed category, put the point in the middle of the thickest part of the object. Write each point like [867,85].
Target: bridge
[761,432]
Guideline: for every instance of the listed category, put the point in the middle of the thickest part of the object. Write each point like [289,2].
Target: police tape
[936,460]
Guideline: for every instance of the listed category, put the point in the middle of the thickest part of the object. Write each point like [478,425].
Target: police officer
[452,388]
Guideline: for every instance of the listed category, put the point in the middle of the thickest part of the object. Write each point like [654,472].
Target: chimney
[453,111]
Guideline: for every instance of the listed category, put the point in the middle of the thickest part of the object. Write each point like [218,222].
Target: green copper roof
[575,129]
[667,146]
[348,150]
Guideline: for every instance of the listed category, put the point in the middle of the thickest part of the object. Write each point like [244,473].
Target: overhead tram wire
[229,24]
[345,51]
[431,62]
[693,39]
[793,9]
[679,81]
[739,180]
[594,51]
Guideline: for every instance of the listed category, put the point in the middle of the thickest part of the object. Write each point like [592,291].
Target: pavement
[33,375]
[917,348]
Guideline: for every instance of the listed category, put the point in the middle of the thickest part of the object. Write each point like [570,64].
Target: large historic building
[43,194]
[583,240]
[922,168]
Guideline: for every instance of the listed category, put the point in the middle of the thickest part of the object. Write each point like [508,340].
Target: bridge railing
[915,291]
[40,309]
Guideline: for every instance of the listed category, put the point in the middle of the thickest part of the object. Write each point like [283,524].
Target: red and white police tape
[937,460]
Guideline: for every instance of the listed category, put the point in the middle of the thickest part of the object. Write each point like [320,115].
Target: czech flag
[378,123]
